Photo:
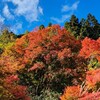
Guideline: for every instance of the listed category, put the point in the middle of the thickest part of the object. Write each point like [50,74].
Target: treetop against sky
[21,15]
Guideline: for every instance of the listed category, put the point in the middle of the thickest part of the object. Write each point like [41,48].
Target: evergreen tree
[50,24]
[41,27]
[88,27]
[73,26]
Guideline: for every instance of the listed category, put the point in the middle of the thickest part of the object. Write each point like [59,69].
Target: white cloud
[30,9]
[40,10]
[66,9]
[1,19]
[64,17]
[7,12]
[75,5]
[16,27]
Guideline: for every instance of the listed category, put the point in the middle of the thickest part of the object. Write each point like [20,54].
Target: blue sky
[21,15]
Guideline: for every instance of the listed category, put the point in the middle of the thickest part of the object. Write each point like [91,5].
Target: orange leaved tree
[51,61]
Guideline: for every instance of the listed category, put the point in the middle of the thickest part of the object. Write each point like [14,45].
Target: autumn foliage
[71,93]
[50,59]
[90,47]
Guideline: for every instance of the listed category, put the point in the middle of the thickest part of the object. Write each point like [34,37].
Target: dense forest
[52,63]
